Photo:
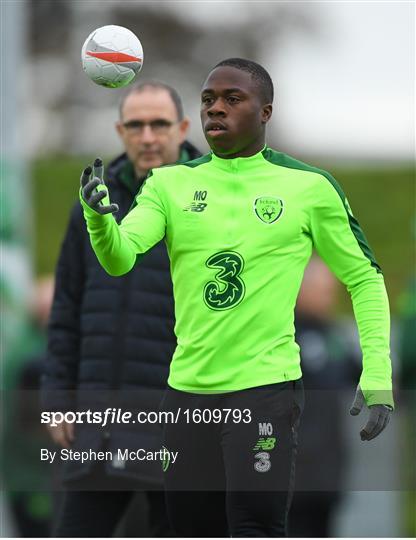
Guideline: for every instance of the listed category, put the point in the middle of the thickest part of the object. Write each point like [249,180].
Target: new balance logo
[265,444]
[197,206]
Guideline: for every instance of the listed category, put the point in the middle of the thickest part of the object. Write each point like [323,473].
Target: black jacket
[110,339]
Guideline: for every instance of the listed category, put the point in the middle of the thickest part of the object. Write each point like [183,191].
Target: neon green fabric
[239,233]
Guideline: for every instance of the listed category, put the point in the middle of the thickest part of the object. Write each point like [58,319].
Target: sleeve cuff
[377,397]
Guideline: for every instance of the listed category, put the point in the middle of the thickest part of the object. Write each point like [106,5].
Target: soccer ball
[112,56]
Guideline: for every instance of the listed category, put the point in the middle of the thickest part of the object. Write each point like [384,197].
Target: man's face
[232,113]
[150,130]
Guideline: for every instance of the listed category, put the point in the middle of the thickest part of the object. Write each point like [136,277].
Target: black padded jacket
[110,339]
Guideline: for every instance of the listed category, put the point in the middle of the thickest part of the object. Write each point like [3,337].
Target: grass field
[383,200]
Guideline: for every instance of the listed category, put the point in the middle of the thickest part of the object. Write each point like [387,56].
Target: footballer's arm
[117,246]
[342,244]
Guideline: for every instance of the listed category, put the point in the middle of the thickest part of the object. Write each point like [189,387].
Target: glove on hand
[378,419]
[93,189]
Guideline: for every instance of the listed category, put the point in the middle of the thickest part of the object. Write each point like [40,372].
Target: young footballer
[240,224]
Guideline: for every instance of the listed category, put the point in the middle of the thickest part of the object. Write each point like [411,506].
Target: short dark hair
[258,73]
[157,85]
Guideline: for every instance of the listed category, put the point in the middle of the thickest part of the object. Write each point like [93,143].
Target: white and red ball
[112,56]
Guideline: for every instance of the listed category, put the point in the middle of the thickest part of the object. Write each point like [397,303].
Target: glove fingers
[89,188]
[378,428]
[379,418]
[358,402]
[386,421]
[383,425]
[96,198]
[98,170]
[85,176]
[372,421]
[370,429]
[110,209]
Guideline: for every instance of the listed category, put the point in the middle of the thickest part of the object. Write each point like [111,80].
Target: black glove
[93,189]
[378,419]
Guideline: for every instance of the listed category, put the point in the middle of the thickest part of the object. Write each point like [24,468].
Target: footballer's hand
[62,434]
[93,188]
[378,419]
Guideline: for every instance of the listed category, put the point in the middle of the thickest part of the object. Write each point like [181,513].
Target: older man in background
[115,335]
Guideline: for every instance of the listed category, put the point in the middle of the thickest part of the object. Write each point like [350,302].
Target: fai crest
[268,209]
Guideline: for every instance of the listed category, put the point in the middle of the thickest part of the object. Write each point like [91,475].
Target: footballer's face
[233,114]
[150,129]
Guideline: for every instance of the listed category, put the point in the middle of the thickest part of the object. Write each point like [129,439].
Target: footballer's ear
[184,128]
[266,113]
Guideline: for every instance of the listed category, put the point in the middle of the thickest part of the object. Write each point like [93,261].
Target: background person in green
[330,368]
[240,224]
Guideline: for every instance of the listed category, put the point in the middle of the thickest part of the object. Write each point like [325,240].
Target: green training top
[239,234]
